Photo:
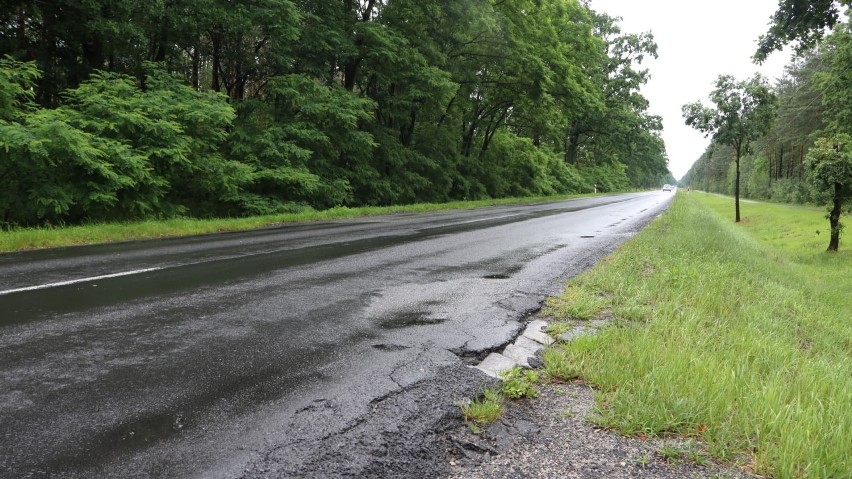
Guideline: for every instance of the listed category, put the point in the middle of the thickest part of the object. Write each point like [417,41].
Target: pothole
[411,318]
[472,358]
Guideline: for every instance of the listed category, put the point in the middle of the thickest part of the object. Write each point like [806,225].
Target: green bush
[513,166]
[114,150]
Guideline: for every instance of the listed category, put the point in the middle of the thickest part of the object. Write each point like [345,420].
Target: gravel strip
[549,437]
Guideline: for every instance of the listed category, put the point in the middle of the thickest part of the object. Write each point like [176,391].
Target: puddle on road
[135,434]
[146,430]
[410,318]
[390,347]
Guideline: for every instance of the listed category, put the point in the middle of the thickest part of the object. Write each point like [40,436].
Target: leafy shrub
[607,178]
[114,150]
[513,166]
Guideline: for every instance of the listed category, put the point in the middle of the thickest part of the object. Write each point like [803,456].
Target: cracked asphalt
[318,350]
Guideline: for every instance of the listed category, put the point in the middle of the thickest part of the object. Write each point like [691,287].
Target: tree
[829,163]
[744,112]
[804,21]
[260,106]
[613,127]
[835,80]
[829,166]
[800,102]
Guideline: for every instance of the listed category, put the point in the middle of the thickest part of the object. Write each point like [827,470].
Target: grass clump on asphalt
[516,383]
[484,410]
[15,239]
[745,340]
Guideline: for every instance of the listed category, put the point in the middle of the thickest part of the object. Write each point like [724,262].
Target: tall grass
[745,337]
[15,239]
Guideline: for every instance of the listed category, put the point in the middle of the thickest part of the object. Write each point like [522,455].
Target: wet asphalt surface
[319,350]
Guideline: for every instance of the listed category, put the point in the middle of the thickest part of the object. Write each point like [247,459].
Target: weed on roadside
[484,410]
[519,384]
[558,328]
[671,454]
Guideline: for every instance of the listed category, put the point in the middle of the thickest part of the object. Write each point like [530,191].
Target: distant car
[668,187]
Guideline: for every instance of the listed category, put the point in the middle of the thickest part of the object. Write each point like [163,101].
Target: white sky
[696,42]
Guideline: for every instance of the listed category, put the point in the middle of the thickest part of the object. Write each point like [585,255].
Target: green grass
[671,454]
[558,328]
[484,410]
[47,237]
[575,303]
[744,337]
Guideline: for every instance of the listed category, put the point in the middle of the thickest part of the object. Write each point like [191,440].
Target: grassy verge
[48,237]
[739,335]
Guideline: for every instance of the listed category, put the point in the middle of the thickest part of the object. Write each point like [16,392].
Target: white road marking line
[75,281]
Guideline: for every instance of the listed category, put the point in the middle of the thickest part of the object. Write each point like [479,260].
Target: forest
[115,110]
[812,105]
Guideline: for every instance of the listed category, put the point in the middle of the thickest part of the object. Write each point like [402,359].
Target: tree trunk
[367,15]
[353,67]
[214,82]
[491,130]
[572,148]
[447,111]
[770,155]
[834,218]
[791,164]
[23,43]
[160,54]
[737,189]
[93,52]
[406,133]
[196,65]
[350,73]
[467,139]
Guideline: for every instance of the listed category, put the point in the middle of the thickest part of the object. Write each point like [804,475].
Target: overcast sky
[696,42]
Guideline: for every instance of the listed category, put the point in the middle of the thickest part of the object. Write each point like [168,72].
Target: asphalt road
[317,350]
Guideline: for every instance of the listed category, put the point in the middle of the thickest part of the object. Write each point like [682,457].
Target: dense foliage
[802,22]
[127,109]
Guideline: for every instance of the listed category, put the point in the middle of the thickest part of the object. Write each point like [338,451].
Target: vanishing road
[313,350]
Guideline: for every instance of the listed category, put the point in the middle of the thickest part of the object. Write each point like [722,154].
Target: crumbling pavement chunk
[494,364]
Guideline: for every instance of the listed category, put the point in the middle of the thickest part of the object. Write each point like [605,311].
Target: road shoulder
[550,436]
